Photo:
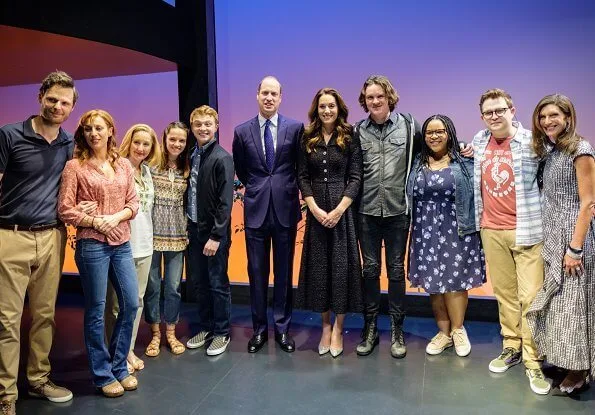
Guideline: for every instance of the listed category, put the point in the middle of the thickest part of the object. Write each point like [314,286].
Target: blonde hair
[202,111]
[154,156]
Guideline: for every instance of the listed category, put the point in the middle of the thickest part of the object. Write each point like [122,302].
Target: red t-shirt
[497,186]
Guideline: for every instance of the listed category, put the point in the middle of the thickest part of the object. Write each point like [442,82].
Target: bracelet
[577,251]
[92,221]
[574,255]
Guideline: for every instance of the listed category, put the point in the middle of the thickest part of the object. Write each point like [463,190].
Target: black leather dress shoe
[286,342]
[256,342]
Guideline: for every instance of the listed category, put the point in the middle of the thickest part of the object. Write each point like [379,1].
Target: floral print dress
[440,259]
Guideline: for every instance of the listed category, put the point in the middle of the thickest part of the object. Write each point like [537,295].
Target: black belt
[31,228]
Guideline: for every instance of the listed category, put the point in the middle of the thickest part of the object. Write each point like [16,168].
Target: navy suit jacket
[262,187]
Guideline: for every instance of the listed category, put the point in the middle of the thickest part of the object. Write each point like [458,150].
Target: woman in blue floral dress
[445,254]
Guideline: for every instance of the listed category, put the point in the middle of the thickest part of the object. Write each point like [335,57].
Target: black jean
[372,231]
[210,282]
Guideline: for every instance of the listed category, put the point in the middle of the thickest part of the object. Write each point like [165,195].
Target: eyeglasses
[438,133]
[498,111]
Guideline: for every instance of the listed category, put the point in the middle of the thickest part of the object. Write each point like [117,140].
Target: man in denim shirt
[389,141]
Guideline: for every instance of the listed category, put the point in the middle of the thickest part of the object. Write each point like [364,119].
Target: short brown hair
[204,110]
[383,82]
[59,78]
[495,93]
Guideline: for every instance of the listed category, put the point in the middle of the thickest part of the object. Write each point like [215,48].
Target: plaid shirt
[529,228]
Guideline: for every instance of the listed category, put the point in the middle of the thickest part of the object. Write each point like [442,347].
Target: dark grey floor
[274,382]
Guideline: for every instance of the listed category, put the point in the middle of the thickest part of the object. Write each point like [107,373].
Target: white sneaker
[462,344]
[538,382]
[199,339]
[438,344]
[218,345]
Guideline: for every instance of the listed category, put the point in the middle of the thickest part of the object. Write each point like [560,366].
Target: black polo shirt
[32,169]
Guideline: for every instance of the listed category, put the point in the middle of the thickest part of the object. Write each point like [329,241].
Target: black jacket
[214,194]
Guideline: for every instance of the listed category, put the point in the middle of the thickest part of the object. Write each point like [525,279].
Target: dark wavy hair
[313,132]
[452,143]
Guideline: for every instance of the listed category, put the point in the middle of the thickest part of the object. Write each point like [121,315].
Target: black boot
[397,340]
[369,336]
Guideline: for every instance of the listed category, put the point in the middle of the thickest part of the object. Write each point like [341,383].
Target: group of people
[519,200]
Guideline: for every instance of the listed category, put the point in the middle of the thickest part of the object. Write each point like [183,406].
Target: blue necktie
[192,202]
[269,148]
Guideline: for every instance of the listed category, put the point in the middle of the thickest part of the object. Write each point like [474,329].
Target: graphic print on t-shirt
[497,173]
[497,186]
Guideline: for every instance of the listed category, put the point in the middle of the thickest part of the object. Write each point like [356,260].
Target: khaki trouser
[142,265]
[30,262]
[517,274]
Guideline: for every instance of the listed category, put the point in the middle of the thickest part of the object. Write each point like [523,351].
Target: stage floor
[274,382]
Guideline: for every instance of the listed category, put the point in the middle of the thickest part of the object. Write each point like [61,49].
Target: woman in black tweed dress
[329,175]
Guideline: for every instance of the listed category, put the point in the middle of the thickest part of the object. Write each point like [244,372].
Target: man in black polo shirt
[32,241]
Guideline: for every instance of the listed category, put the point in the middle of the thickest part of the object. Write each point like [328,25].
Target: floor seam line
[217,384]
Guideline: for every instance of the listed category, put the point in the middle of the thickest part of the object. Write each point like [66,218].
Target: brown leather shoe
[112,390]
[129,383]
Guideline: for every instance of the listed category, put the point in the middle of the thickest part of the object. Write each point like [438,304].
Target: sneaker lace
[458,337]
[537,374]
[506,353]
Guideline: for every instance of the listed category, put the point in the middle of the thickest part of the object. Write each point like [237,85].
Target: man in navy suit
[265,151]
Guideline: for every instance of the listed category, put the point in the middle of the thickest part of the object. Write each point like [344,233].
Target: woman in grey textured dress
[562,316]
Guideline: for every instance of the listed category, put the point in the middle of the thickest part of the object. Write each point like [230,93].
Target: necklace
[440,163]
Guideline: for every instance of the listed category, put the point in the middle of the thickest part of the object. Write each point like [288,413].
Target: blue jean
[210,281]
[96,262]
[173,262]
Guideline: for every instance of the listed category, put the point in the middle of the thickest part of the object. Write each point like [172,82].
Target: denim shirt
[465,206]
[387,155]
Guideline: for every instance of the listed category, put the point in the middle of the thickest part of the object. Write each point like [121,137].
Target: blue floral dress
[440,259]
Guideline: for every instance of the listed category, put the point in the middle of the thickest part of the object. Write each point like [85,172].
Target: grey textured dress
[562,315]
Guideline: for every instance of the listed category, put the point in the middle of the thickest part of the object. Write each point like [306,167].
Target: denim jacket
[463,173]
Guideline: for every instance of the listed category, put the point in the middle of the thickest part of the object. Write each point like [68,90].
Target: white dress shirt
[273,126]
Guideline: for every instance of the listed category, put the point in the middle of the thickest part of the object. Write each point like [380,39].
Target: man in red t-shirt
[508,213]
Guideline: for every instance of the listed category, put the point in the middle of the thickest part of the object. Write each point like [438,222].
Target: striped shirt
[529,228]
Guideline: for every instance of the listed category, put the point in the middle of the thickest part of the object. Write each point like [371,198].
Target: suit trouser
[30,262]
[516,273]
[258,248]
[142,266]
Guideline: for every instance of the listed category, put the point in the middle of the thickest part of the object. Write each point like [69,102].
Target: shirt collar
[393,117]
[274,119]
[28,131]
[204,148]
